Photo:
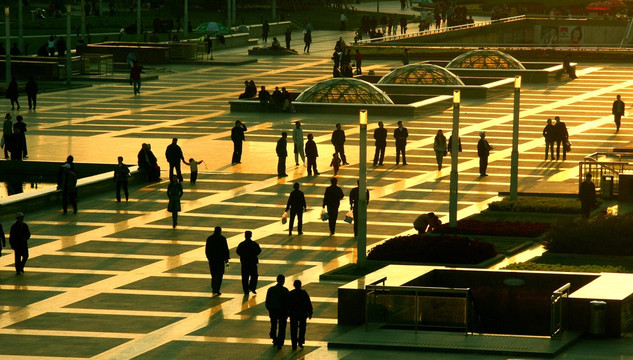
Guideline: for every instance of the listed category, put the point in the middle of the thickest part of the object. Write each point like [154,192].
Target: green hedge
[568,268]
[537,204]
[610,235]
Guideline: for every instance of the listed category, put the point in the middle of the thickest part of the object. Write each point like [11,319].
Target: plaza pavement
[117,282]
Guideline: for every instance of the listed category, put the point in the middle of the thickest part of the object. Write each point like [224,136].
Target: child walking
[193,164]
[336,163]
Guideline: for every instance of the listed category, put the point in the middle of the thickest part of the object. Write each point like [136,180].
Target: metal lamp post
[186,19]
[514,162]
[362,192]
[83,20]
[7,32]
[228,14]
[20,28]
[68,45]
[138,21]
[452,204]
[274,10]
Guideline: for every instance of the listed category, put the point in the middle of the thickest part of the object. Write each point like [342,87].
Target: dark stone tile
[60,346]
[95,322]
[148,302]
[86,262]
[321,310]
[202,267]
[260,329]
[116,247]
[187,284]
[213,222]
[12,297]
[45,229]
[34,278]
[163,234]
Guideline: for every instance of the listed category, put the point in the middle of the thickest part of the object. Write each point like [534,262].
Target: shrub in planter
[495,228]
[612,235]
[537,204]
[568,268]
[444,249]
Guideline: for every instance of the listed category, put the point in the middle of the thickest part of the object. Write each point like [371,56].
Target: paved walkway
[117,282]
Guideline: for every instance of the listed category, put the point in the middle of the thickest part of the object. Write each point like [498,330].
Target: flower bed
[444,249]
[495,228]
[537,204]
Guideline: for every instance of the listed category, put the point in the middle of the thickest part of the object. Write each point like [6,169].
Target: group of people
[278,101]
[14,138]
[342,58]
[13,93]
[556,133]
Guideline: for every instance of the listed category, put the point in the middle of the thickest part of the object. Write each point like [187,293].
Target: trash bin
[597,318]
[606,186]
[625,192]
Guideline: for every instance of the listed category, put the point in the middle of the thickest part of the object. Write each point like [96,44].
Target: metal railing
[404,306]
[442,30]
[558,305]
[599,169]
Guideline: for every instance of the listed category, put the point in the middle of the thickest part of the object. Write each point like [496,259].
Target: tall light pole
[514,162]
[20,28]
[361,221]
[377,6]
[234,12]
[69,46]
[274,10]
[229,16]
[100,7]
[452,204]
[83,20]
[186,19]
[7,32]
[138,21]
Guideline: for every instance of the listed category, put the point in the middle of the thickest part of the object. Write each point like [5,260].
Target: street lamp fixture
[361,218]
[7,40]
[514,159]
[452,203]
[6,11]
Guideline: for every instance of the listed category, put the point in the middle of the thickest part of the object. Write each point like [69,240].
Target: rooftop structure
[485,59]
[344,90]
[421,74]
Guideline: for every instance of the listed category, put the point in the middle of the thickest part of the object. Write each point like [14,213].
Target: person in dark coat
[7,134]
[380,135]
[248,250]
[561,136]
[277,306]
[288,35]
[148,163]
[135,77]
[237,136]
[299,309]
[307,39]
[587,195]
[353,203]
[483,151]
[18,239]
[449,147]
[548,134]
[217,251]
[311,154]
[338,140]
[297,205]
[332,199]
[174,157]
[31,93]
[12,93]
[61,47]
[19,139]
[282,154]
[69,188]
[265,30]
[174,193]
[401,134]
[121,173]
[618,111]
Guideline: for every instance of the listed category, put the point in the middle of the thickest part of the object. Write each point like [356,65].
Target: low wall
[495,87]
[276,29]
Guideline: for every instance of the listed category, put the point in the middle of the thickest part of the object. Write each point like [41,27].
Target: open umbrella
[213,28]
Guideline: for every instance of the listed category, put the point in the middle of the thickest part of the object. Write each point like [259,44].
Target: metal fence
[605,174]
[558,305]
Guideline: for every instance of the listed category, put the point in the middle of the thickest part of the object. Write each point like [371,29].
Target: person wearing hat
[483,151]
[18,237]
[69,188]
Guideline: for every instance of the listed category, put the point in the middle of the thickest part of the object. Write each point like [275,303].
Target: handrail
[443,30]
[594,156]
[628,33]
[381,280]
[557,317]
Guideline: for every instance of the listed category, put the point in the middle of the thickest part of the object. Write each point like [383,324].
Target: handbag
[349,217]
[324,215]
[284,218]
[567,146]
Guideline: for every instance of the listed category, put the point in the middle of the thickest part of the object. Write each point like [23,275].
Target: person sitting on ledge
[568,68]
[426,222]
[264,99]
[275,45]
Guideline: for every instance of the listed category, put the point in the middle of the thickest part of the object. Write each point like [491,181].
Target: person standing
[618,111]
[135,77]
[449,147]
[31,93]
[248,250]
[401,134]
[174,157]
[121,173]
[277,306]
[343,19]
[193,166]
[332,199]
[299,309]
[7,134]
[560,136]
[12,93]
[217,251]
[208,44]
[380,135]
[439,146]
[483,151]
[18,143]
[353,203]
[307,39]
[297,205]
[549,133]
[587,195]
[237,136]
[311,153]
[282,153]
[69,188]
[358,57]
[265,31]
[288,35]
[174,193]
[338,140]
[405,56]
[297,139]
[18,239]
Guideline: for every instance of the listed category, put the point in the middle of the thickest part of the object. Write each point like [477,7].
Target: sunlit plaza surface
[116,281]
